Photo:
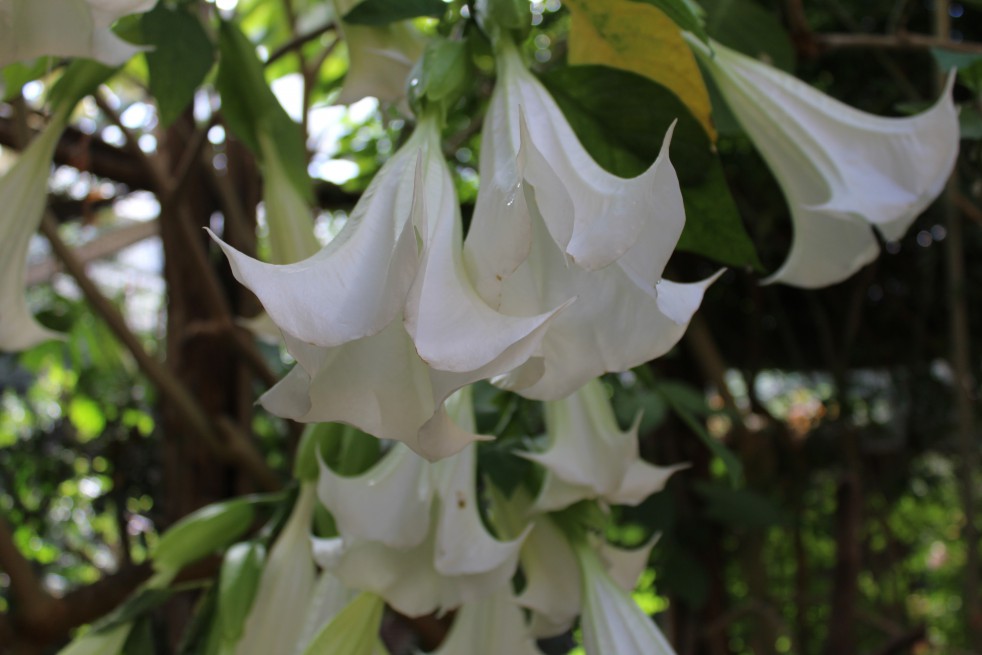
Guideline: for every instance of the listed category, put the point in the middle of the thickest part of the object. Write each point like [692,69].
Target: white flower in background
[612,622]
[66,28]
[411,531]
[842,170]
[554,584]
[543,201]
[341,312]
[590,458]
[491,626]
[380,58]
[24,189]
[278,614]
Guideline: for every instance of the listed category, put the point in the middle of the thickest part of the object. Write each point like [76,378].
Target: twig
[298,41]
[898,41]
[170,387]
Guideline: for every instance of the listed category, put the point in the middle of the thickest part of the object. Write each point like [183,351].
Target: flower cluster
[558,281]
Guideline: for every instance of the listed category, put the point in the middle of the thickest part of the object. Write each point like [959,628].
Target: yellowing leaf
[638,37]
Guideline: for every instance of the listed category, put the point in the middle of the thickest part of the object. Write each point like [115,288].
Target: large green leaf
[382,12]
[749,28]
[625,136]
[181,57]
[249,106]
[969,65]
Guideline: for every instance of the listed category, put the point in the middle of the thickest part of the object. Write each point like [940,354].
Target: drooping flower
[66,28]
[341,312]
[278,613]
[842,170]
[589,457]
[490,626]
[411,531]
[612,622]
[543,201]
[380,57]
[24,189]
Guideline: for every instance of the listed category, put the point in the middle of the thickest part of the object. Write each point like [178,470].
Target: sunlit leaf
[639,38]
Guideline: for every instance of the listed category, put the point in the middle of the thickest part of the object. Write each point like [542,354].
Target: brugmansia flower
[411,531]
[589,457]
[66,28]
[842,170]
[277,616]
[492,626]
[543,201]
[24,189]
[554,582]
[379,57]
[612,622]
[384,334]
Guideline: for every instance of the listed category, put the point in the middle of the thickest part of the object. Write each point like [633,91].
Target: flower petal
[611,621]
[841,169]
[278,612]
[552,579]
[357,284]
[452,327]
[614,325]
[389,503]
[377,384]
[380,58]
[491,626]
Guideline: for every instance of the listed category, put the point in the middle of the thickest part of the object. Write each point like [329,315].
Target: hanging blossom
[551,224]
[380,57]
[841,170]
[411,531]
[383,333]
[491,626]
[612,622]
[24,189]
[555,588]
[66,28]
[590,458]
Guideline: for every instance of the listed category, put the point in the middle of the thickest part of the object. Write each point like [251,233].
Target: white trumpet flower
[589,457]
[24,189]
[445,559]
[380,58]
[612,622]
[842,170]
[276,620]
[490,626]
[66,28]
[340,312]
[543,202]
[554,582]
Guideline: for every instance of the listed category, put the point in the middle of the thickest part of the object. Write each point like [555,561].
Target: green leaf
[181,57]
[16,74]
[382,12]
[139,604]
[969,66]
[713,227]
[626,136]
[140,640]
[79,79]
[249,106]
[681,400]
[687,15]
[747,27]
